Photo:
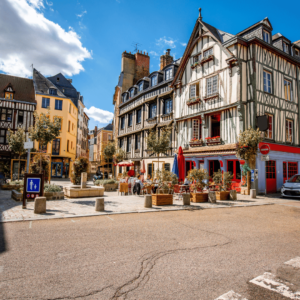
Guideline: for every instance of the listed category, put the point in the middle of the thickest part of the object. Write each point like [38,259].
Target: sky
[84,39]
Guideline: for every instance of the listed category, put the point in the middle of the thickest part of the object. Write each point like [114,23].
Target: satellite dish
[262,123]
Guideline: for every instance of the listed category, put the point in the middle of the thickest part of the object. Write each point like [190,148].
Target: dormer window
[207,53]
[154,80]
[285,47]
[52,91]
[131,93]
[124,98]
[266,36]
[140,86]
[169,73]
[9,95]
[297,52]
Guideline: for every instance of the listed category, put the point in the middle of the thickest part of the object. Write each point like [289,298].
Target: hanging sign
[265,158]
[264,149]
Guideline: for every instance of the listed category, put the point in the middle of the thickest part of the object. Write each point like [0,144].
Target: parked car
[291,188]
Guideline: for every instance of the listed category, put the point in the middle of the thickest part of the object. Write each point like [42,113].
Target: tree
[16,142]
[159,144]
[200,178]
[80,165]
[44,131]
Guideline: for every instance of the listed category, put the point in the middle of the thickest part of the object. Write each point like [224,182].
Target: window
[55,147]
[297,52]
[269,132]
[72,126]
[267,82]
[292,169]
[68,142]
[167,167]
[266,36]
[154,80]
[20,117]
[128,144]
[196,126]
[168,106]
[140,86]
[71,145]
[69,125]
[212,85]
[137,141]
[121,143]
[289,131]
[194,90]
[285,47]
[131,93]
[138,116]
[43,148]
[109,137]
[234,168]
[60,121]
[207,53]
[150,170]
[122,122]
[9,95]
[58,104]
[53,91]
[3,136]
[6,114]
[129,120]
[152,110]
[169,73]
[288,90]
[45,102]
[70,108]
[124,98]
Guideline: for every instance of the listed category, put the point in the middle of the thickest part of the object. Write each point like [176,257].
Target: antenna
[136,46]
[31,66]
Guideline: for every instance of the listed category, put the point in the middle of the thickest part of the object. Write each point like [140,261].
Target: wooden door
[271,176]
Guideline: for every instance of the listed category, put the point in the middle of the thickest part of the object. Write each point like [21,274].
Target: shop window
[189,165]
[234,168]
[269,132]
[20,117]
[215,125]
[214,166]
[292,169]
[6,114]
[55,147]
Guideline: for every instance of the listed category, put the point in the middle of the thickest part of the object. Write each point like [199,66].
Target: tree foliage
[166,179]
[109,150]
[39,164]
[199,178]
[80,165]
[223,181]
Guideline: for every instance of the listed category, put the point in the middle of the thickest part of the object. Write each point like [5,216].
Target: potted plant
[199,178]
[196,142]
[223,184]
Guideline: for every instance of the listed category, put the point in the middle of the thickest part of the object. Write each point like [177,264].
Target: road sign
[265,158]
[252,175]
[28,145]
[264,149]
[33,185]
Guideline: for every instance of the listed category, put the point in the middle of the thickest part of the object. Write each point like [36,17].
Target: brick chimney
[142,65]
[166,59]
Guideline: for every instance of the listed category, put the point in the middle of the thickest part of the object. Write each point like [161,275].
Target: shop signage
[265,158]
[264,149]
[28,145]
[33,187]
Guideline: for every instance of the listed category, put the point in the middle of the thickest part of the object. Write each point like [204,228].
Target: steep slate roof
[23,87]
[42,84]
[108,127]
[265,21]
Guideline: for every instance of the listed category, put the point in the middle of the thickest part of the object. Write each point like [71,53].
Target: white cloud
[154,53]
[100,115]
[166,42]
[33,39]
[82,14]
[183,44]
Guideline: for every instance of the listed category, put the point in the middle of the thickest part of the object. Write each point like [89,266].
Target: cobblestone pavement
[11,210]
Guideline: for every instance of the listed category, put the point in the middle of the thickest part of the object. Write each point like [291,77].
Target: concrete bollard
[186,199]
[253,193]
[212,197]
[148,201]
[40,205]
[99,204]
[233,195]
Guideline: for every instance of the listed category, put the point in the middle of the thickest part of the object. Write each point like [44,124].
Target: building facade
[82,130]
[52,101]
[223,85]
[92,145]
[17,105]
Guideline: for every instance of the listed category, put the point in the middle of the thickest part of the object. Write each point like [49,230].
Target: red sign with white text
[264,149]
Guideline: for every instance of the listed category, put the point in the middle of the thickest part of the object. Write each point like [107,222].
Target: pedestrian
[138,185]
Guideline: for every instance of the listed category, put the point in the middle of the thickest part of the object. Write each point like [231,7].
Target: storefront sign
[264,149]
[265,158]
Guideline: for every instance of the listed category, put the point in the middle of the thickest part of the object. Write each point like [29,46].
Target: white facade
[82,131]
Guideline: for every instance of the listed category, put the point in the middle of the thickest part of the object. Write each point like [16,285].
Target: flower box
[162,199]
[213,141]
[196,143]
[206,59]
[222,195]
[193,101]
[199,197]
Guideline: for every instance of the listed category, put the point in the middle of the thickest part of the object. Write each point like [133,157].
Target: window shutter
[197,89]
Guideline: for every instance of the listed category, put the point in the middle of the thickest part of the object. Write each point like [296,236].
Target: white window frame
[208,52]
[265,78]
[140,86]
[193,91]
[266,36]
[288,96]
[267,132]
[289,125]
[196,129]
[212,85]
[154,79]
[285,47]
[169,73]
[297,52]
[131,93]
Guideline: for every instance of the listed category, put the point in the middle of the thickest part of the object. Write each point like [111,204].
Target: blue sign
[33,185]
[252,175]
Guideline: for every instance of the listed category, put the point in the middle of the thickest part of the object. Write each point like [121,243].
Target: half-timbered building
[224,84]
[148,105]
[17,104]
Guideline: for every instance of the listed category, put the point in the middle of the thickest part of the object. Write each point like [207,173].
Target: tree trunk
[19,167]
[41,163]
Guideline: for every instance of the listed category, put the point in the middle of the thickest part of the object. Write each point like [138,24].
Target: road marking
[30,224]
[109,218]
[231,295]
[1,269]
[295,262]
[271,283]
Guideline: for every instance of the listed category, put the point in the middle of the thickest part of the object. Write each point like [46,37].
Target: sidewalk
[11,210]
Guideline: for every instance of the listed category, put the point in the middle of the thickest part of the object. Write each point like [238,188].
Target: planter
[10,186]
[54,195]
[110,187]
[192,102]
[206,59]
[164,191]
[196,144]
[213,141]
[245,191]
[199,197]
[162,199]
[16,195]
[222,195]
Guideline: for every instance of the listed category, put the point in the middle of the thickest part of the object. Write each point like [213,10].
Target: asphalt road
[164,255]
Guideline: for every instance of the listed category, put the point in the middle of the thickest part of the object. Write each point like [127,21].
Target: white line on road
[109,218]
[30,224]
[295,262]
[231,295]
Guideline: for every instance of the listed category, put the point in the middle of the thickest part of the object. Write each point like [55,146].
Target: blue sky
[85,39]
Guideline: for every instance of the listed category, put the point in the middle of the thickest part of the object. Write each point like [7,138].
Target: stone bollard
[186,199]
[233,195]
[99,204]
[40,205]
[212,197]
[253,193]
[148,201]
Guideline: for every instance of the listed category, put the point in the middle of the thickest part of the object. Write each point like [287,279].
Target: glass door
[56,169]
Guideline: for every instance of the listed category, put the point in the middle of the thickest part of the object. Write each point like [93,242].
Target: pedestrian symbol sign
[33,185]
